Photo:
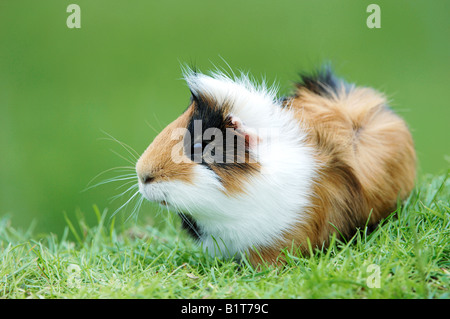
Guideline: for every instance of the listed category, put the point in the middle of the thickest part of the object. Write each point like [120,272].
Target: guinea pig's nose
[147,178]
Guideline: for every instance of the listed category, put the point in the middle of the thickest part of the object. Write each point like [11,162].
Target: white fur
[274,200]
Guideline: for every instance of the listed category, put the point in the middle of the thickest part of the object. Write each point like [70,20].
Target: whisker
[157,120]
[125,184]
[123,157]
[113,198]
[149,125]
[159,211]
[122,178]
[126,203]
[111,180]
[127,147]
[136,209]
[121,168]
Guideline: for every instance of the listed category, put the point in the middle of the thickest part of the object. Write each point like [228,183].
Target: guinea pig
[251,173]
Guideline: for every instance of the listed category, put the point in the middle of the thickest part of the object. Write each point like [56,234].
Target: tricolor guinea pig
[251,174]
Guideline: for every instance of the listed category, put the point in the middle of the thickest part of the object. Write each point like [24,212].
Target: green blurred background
[60,88]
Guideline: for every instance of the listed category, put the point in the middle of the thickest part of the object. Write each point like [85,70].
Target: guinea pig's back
[365,153]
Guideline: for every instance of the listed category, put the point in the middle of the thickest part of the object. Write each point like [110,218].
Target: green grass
[411,251]
[61,88]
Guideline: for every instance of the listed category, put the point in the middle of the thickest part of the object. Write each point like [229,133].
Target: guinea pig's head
[221,162]
[206,151]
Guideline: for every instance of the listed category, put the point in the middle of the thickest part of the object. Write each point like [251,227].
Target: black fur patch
[322,82]
[190,225]
[231,147]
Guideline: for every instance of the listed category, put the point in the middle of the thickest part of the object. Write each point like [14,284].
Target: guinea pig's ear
[251,137]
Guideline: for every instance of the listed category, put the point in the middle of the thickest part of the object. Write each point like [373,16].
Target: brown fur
[367,161]
[157,161]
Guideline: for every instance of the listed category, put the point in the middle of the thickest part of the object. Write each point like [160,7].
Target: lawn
[407,257]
